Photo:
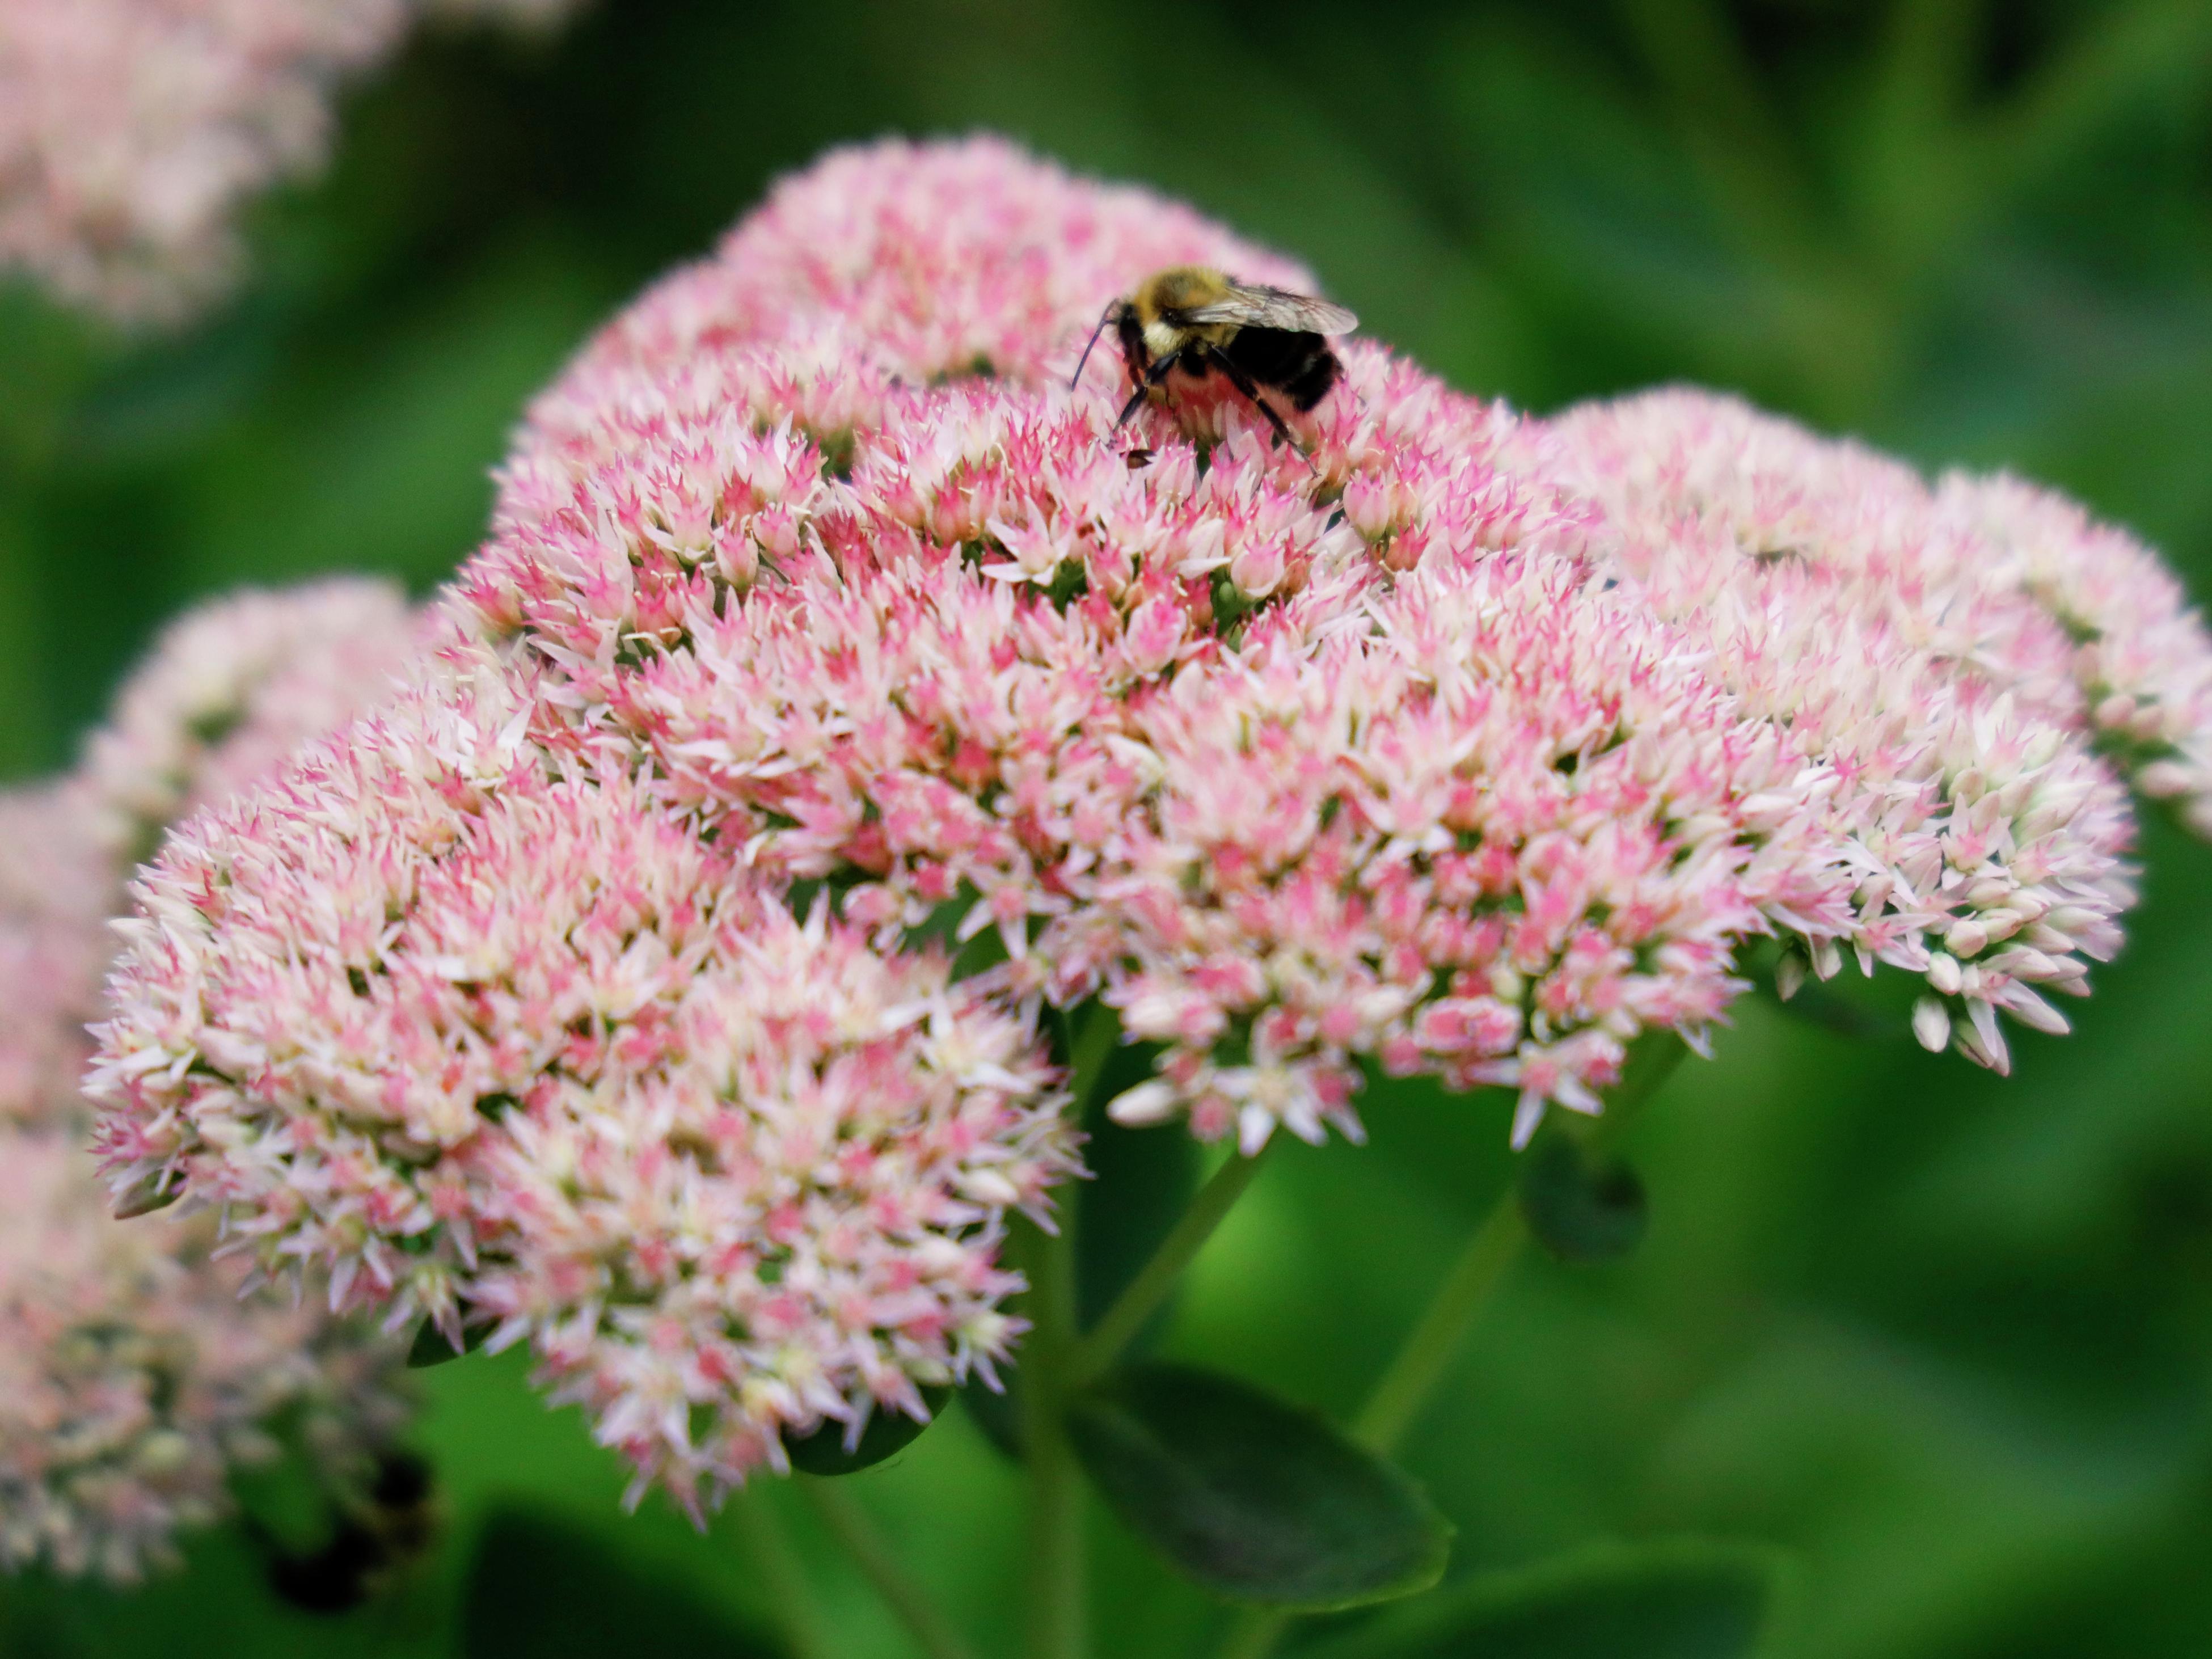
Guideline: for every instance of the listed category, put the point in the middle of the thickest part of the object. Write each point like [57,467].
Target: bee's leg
[1157,372]
[1245,384]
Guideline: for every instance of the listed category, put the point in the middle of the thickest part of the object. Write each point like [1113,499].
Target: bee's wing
[1254,306]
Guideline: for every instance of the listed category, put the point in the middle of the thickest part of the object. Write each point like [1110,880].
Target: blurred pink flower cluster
[838,689]
[133,1372]
[133,1379]
[133,131]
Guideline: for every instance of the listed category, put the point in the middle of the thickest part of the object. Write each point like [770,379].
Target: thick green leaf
[887,1434]
[430,1346]
[1256,1499]
[1670,1599]
[540,1589]
[1579,1209]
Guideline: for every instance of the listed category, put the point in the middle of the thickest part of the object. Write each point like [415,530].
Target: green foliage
[1668,1599]
[1141,1180]
[1257,1500]
[997,1411]
[540,1589]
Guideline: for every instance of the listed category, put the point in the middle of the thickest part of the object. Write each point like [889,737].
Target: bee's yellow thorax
[1179,288]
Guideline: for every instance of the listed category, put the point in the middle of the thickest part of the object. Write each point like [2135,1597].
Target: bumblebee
[1197,321]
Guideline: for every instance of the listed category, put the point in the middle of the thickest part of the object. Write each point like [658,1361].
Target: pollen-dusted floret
[1899,647]
[479,1036]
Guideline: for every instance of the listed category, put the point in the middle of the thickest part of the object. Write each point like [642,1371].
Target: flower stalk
[901,1591]
[1095,1352]
[1410,1380]
[1412,1377]
[798,1618]
[1056,1623]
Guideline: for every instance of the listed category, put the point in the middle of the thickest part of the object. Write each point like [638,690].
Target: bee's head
[1179,288]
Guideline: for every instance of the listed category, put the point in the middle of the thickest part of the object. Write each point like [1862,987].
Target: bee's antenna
[1104,317]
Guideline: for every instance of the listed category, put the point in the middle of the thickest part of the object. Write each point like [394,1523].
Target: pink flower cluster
[132,1374]
[58,888]
[471,1031]
[133,1378]
[232,688]
[2139,653]
[837,688]
[1956,656]
[953,645]
[226,694]
[132,131]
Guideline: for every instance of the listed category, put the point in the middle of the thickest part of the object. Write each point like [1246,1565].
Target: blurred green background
[1949,1336]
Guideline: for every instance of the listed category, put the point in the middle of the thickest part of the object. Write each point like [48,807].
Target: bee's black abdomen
[1313,382]
[1298,365]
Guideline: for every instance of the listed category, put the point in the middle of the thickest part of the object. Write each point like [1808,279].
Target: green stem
[779,1569]
[903,1594]
[1429,1348]
[1427,1351]
[1055,1620]
[1098,1348]
[1411,1377]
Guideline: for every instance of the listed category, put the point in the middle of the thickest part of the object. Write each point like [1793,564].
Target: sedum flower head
[467,1031]
[133,1372]
[133,132]
[1908,652]
[57,888]
[231,688]
[133,1376]
[961,654]
[794,1216]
